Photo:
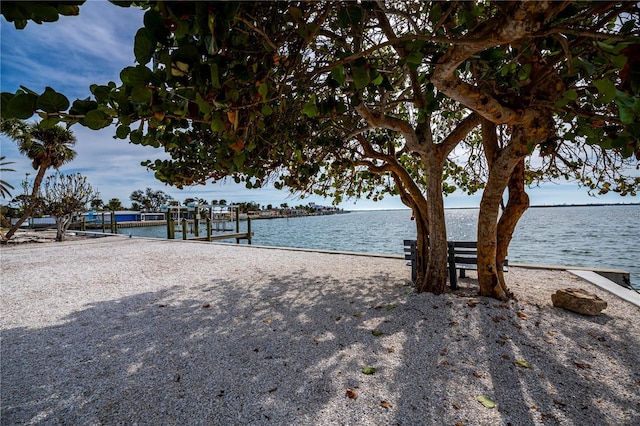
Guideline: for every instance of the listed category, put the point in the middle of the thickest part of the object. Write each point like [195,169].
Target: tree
[149,199]
[5,186]
[114,204]
[46,147]
[64,197]
[97,204]
[547,78]
[384,95]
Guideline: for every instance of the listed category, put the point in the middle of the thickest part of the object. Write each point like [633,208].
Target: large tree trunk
[422,246]
[491,281]
[516,206]
[435,280]
[32,202]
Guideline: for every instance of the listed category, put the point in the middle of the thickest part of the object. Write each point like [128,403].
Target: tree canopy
[372,98]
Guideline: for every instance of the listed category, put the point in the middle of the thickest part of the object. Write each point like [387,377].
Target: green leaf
[239,159]
[369,370]
[310,109]
[525,71]
[377,332]
[606,89]
[122,131]
[52,101]
[263,90]
[100,92]
[21,106]
[143,46]
[414,57]
[215,79]
[351,15]
[571,95]
[486,401]
[82,107]
[203,105]
[217,125]
[266,110]
[96,119]
[141,94]
[136,76]
[626,115]
[49,122]
[360,77]
[378,80]
[390,307]
[523,363]
[338,74]
[135,136]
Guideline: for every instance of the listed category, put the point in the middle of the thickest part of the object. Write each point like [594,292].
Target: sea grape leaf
[368,370]
[97,119]
[606,89]
[486,401]
[52,101]
[21,106]
[143,46]
[360,77]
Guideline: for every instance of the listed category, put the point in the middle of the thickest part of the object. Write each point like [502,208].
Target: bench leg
[463,273]
[453,278]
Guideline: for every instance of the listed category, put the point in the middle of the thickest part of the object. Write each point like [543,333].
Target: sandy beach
[128,331]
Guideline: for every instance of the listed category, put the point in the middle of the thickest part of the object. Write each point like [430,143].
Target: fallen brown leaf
[456,406]
[162,305]
[476,374]
[549,341]
[351,393]
[390,350]
[267,320]
[505,356]
[582,365]
[472,303]
[385,404]
[522,315]
[206,305]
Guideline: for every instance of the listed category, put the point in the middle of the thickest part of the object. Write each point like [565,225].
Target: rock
[578,300]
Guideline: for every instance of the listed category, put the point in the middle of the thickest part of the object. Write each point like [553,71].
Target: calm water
[598,236]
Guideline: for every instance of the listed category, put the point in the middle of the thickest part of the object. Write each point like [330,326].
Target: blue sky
[71,54]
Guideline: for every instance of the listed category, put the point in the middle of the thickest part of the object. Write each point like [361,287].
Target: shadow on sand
[285,351]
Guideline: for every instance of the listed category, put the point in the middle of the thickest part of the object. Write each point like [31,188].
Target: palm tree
[4,185]
[46,147]
[114,204]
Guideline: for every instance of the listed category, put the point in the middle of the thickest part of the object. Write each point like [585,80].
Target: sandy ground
[134,331]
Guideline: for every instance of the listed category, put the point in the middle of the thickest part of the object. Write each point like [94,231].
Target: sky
[75,52]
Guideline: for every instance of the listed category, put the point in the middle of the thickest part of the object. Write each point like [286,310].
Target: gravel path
[135,331]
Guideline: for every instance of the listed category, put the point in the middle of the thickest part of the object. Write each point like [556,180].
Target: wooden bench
[461,255]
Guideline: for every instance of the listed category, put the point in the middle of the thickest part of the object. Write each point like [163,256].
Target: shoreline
[110,330]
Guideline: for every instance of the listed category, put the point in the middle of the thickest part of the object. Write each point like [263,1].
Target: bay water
[591,236]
